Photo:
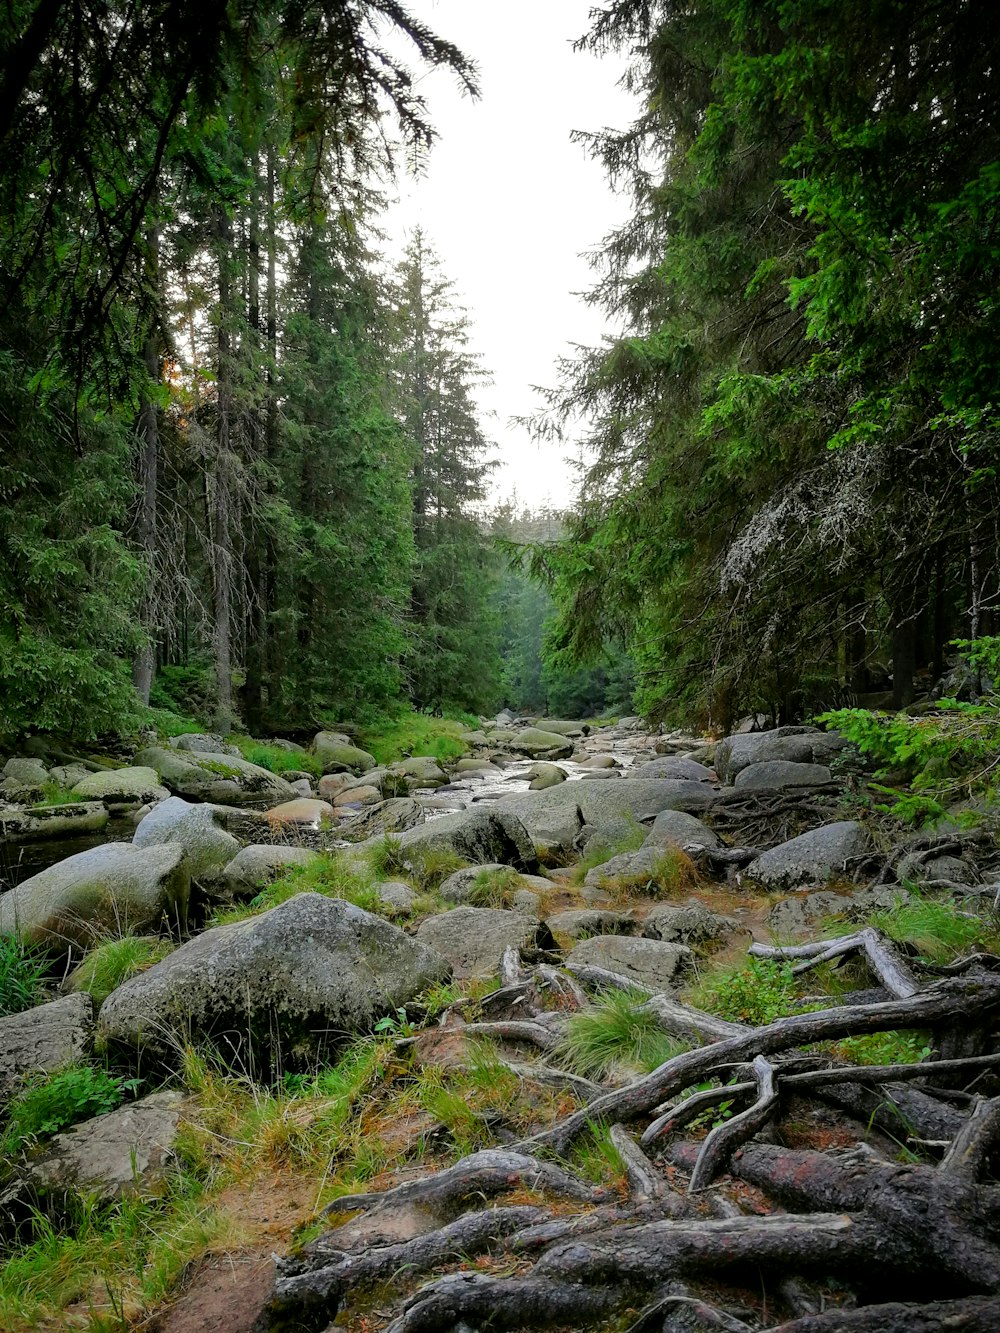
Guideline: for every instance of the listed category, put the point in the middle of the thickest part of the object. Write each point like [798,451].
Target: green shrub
[275,758]
[756,993]
[418,734]
[59,1100]
[22,976]
[54,794]
[884,1048]
[110,964]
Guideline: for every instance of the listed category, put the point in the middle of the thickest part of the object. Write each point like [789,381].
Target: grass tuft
[616,1033]
[419,734]
[495,888]
[110,964]
[275,758]
[23,969]
[936,929]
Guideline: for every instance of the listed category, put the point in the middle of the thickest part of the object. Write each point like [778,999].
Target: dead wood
[645,1182]
[885,961]
[498,1303]
[948,1001]
[972,1146]
[491,1171]
[975,1314]
[727,1137]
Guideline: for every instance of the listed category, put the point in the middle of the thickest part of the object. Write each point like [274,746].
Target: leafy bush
[110,964]
[188,690]
[884,1048]
[22,976]
[59,1100]
[757,993]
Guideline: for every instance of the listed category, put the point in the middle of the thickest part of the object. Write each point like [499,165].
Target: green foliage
[600,849]
[23,969]
[757,992]
[53,1103]
[949,750]
[616,1032]
[495,888]
[186,690]
[54,794]
[884,1048]
[332,875]
[937,929]
[415,733]
[275,758]
[109,965]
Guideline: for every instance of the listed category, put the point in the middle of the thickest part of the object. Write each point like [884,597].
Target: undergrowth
[53,1102]
[110,964]
[495,888]
[23,968]
[756,991]
[275,758]
[616,1033]
[599,849]
[419,734]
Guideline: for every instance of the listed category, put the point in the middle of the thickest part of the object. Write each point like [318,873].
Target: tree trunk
[149,456]
[222,549]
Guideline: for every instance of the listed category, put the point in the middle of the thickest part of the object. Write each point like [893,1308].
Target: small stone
[44,1039]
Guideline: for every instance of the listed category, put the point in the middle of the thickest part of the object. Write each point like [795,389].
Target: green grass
[55,794]
[418,734]
[936,929]
[110,964]
[275,758]
[430,866]
[386,859]
[332,875]
[495,888]
[53,1102]
[23,969]
[616,1033]
[884,1048]
[166,723]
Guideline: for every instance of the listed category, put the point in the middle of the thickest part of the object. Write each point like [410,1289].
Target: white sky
[511,206]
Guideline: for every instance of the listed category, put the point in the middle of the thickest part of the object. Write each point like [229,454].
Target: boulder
[331,784]
[195,829]
[483,837]
[44,1039]
[601,774]
[542,776]
[782,773]
[393,816]
[457,887]
[651,963]
[68,775]
[583,922]
[473,939]
[690,924]
[505,718]
[221,778]
[203,742]
[812,857]
[338,755]
[357,796]
[797,745]
[538,744]
[795,916]
[303,786]
[39,823]
[123,1152]
[672,766]
[560,727]
[913,869]
[396,896]
[599,761]
[674,827]
[112,889]
[603,805]
[306,812]
[290,981]
[637,868]
[423,770]
[22,780]
[254,867]
[481,766]
[121,786]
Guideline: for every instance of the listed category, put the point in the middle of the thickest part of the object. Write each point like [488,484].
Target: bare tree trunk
[256,619]
[222,550]
[144,665]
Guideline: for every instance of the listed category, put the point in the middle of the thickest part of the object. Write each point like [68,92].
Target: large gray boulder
[653,964]
[203,742]
[22,780]
[671,766]
[121,786]
[337,755]
[44,1039]
[474,939]
[113,889]
[637,869]
[542,776]
[675,828]
[393,816]
[583,922]
[195,829]
[797,745]
[537,744]
[782,773]
[290,981]
[691,923]
[481,836]
[220,778]
[254,867]
[811,858]
[422,771]
[120,1153]
[562,727]
[602,805]
[458,887]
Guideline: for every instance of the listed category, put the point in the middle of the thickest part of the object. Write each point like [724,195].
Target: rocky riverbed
[509,897]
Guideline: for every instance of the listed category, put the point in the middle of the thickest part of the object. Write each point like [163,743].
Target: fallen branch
[883,959]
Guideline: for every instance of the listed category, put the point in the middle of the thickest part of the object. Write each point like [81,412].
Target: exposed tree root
[976,1314]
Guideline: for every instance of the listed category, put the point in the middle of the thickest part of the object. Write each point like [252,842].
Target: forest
[427,909]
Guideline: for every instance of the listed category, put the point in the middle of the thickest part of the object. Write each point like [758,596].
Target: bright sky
[511,207]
